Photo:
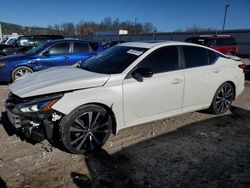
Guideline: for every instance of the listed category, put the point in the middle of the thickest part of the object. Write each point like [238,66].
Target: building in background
[116,32]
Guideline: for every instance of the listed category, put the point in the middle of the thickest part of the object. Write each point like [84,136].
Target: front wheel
[20,72]
[223,99]
[85,129]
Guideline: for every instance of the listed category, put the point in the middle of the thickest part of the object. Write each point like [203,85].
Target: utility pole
[1,32]
[135,24]
[225,16]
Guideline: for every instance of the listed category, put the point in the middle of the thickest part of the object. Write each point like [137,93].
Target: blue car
[54,53]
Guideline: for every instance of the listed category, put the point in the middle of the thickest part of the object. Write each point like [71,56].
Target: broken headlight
[37,105]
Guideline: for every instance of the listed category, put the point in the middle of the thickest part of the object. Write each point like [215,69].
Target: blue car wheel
[20,72]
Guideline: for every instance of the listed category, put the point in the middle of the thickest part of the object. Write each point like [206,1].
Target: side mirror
[142,72]
[46,53]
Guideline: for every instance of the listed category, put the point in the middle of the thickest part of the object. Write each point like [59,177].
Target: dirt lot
[192,150]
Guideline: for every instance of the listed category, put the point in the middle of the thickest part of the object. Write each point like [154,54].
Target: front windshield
[37,49]
[113,60]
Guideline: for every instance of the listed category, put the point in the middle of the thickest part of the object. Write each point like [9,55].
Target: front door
[153,98]
[59,55]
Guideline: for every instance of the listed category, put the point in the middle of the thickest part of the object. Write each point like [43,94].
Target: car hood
[57,79]
[16,57]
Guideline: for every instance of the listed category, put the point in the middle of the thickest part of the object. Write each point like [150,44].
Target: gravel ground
[192,150]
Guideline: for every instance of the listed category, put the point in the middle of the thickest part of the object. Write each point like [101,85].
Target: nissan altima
[126,85]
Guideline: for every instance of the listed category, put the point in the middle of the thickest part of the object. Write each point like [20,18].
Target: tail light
[243,67]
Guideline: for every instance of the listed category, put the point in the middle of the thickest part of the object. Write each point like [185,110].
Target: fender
[108,96]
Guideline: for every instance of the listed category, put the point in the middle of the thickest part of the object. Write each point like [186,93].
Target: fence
[242,37]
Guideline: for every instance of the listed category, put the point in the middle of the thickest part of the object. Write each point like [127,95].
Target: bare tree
[68,28]
[148,27]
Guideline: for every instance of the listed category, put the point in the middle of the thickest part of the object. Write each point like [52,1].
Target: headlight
[2,64]
[42,106]
[39,105]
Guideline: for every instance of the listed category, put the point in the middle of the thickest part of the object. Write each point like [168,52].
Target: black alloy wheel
[223,99]
[85,129]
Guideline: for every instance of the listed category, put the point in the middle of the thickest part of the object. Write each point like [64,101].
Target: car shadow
[2,183]
[4,83]
[209,153]
[9,128]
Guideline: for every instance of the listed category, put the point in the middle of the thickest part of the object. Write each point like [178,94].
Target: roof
[63,40]
[58,36]
[151,44]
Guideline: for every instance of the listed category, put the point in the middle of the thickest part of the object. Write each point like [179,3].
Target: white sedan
[126,85]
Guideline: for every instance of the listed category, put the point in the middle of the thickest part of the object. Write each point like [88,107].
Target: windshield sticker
[134,52]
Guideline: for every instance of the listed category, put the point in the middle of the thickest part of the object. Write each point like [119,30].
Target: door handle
[176,81]
[66,57]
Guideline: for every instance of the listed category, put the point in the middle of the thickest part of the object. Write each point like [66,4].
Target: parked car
[10,40]
[25,43]
[126,85]
[225,44]
[46,55]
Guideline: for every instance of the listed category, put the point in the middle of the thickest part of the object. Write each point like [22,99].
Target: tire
[20,72]
[223,99]
[86,128]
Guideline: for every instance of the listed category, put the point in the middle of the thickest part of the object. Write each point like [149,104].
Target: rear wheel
[85,129]
[223,99]
[20,72]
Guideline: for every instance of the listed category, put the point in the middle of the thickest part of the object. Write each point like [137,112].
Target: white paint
[132,101]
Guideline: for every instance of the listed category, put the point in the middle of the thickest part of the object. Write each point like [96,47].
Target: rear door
[203,75]
[81,52]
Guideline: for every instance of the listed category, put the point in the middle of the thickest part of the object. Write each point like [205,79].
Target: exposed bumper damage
[35,126]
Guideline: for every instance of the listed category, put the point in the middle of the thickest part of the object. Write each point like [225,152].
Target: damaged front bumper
[35,125]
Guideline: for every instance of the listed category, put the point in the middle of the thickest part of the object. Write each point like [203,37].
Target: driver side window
[162,60]
[61,48]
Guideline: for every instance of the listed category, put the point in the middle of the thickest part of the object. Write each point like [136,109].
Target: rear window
[196,56]
[226,42]
[212,56]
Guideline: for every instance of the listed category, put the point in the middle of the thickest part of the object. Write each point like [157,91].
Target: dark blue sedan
[46,55]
